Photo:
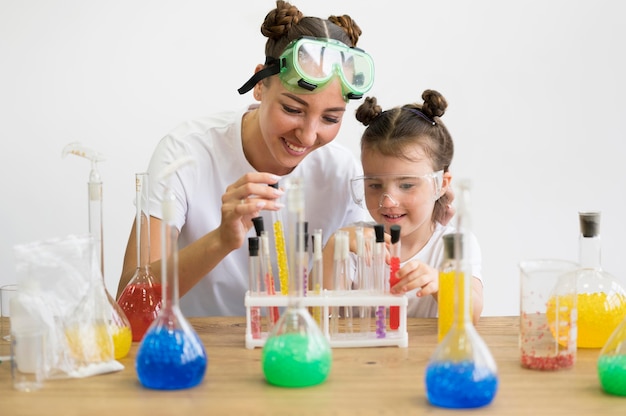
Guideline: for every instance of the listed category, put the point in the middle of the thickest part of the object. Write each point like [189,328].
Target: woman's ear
[256,91]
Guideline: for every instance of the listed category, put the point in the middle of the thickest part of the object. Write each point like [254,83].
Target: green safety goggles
[309,64]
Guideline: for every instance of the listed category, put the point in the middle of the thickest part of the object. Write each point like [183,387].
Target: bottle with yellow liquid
[601,297]
[461,373]
[445,297]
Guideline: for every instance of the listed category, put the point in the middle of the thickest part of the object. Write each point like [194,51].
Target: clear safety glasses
[371,190]
[309,64]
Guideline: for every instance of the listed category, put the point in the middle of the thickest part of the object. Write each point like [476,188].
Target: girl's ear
[256,91]
[445,183]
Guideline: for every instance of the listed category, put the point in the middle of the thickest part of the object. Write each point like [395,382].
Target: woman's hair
[286,23]
[391,132]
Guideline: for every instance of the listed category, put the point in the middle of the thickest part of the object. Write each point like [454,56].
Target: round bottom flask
[612,362]
[296,352]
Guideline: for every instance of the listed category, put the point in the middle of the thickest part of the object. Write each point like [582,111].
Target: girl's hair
[286,23]
[391,132]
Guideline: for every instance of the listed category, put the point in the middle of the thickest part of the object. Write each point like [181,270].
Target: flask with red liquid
[141,298]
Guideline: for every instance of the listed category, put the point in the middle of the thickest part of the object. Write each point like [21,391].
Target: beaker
[296,352]
[171,355]
[548,314]
[141,298]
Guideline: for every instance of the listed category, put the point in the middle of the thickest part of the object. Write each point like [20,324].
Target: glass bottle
[461,372]
[601,296]
[296,352]
[171,356]
[141,298]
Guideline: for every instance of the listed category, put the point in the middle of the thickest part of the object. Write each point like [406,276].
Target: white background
[536,107]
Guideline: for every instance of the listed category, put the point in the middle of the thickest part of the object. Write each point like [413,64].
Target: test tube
[340,279]
[394,266]
[362,278]
[318,272]
[266,269]
[281,249]
[254,284]
[379,278]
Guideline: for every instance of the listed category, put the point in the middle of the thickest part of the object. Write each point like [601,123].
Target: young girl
[406,154]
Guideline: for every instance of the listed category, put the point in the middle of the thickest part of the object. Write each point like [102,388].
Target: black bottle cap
[253,246]
[379,229]
[258,225]
[395,233]
[589,223]
[449,244]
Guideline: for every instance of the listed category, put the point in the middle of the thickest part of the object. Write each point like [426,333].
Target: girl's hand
[417,275]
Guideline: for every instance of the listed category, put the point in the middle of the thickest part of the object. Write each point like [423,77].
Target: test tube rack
[327,299]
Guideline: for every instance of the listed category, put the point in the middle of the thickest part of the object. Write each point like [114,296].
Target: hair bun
[434,104]
[280,20]
[368,111]
[349,26]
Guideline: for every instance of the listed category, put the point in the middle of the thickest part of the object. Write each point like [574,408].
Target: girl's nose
[393,202]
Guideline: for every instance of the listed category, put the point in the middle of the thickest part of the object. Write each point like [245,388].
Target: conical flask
[461,372]
[118,325]
[601,298]
[141,298]
[612,362]
[171,356]
[296,352]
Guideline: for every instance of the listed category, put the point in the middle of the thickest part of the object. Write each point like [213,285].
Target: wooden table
[362,381]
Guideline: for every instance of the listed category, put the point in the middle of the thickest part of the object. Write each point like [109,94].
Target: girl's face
[294,125]
[399,194]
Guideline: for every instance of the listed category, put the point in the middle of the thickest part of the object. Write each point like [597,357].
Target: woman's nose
[307,133]
[386,198]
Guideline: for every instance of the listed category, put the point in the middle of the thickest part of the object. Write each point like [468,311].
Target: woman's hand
[244,200]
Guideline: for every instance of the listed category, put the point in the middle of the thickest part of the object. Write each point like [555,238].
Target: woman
[310,73]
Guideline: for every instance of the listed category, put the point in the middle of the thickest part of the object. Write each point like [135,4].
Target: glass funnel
[141,298]
[171,356]
[601,298]
[296,352]
[461,372]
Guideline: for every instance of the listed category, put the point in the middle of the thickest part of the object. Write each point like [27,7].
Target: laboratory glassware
[266,269]
[141,298]
[296,352]
[254,284]
[394,266]
[281,249]
[461,373]
[601,300]
[547,339]
[318,271]
[171,356]
[118,324]
[379,278]
[611,365]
